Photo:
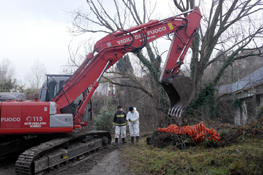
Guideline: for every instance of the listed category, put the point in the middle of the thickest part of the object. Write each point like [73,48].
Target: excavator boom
[113,46]
[44,129]
[49,117]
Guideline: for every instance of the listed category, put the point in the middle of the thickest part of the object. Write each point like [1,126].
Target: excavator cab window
[54,86]
[52,90]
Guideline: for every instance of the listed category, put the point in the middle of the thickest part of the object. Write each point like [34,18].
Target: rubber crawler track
[24,162]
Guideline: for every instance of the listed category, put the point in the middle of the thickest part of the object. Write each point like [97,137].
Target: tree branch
[139,87]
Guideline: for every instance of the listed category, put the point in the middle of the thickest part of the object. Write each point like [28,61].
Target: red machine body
[33,117]
[26,117]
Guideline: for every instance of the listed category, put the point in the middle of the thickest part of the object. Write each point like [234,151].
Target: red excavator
[46,132]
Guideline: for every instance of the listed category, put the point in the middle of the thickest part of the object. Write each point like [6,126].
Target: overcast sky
[37,29]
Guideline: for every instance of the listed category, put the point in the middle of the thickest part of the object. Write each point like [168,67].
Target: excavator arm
[108,50]
[25,124]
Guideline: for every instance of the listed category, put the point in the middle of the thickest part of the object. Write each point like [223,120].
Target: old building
[247,92]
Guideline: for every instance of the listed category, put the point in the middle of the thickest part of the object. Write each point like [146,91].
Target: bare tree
[230,26]
[36,76]
[7,70]
[227,25]
[120,15]
[7,82]
[76,54]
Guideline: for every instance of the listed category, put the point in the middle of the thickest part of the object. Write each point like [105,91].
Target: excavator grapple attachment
[180,92]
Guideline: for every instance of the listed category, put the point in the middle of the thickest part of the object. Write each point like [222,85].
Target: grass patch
[245,156]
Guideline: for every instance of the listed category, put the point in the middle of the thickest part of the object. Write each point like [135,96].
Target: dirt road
[109,165]
[106,162]
[7,166]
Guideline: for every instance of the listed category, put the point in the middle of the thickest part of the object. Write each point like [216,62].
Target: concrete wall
[245,112]
[241,116]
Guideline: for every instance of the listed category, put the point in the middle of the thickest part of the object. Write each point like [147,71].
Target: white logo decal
[29,118]
[11,119]
[125,40]
[139,36]
[156,30]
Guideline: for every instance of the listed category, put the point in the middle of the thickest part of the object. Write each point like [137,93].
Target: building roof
[252,79]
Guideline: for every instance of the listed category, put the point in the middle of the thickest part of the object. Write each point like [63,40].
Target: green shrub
[260,111]
[103,121]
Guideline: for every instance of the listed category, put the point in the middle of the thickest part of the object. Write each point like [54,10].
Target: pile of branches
[161,140]
[229,134]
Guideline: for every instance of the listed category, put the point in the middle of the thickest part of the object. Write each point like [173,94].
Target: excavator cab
[54,85]
[180,92]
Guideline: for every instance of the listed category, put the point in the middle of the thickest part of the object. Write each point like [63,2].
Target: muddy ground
[105,161]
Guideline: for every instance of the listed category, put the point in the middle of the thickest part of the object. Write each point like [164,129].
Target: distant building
[248,91]
[105,89]
[247,82]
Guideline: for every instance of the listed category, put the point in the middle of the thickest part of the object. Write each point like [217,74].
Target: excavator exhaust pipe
[180,92]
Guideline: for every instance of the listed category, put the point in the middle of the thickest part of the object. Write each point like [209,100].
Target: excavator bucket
[180,92]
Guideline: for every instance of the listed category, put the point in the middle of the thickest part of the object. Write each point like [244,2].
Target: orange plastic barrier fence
[198,132]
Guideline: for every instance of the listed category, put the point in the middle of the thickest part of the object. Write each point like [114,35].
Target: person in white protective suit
[133,119]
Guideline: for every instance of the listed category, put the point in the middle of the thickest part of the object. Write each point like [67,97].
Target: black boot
[123,140]
[116,142]
[132,140]
[137,140]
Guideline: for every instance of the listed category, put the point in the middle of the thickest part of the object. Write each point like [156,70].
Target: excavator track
[47,155]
